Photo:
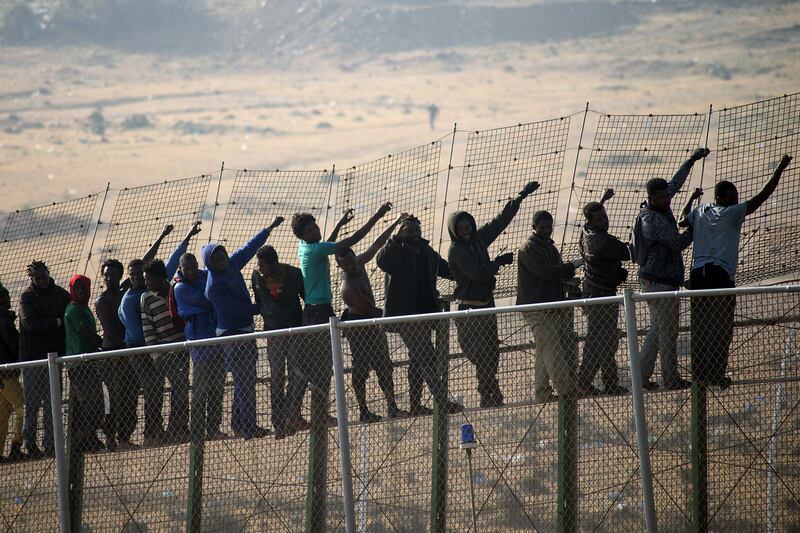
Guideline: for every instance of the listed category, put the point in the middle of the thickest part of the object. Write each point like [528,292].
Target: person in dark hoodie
[208,369]
[41,331]
[11,400]
[603,255]
[85,393]
[227,292]
[474,274]
[540,277]
[411,268]
[278,289]
[661,269]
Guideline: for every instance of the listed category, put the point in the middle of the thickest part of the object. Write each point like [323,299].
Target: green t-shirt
[316,271]
[75,318]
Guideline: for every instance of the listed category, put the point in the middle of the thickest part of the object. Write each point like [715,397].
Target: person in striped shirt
[159,328]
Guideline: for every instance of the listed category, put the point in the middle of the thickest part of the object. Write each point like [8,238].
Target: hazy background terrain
[136,91]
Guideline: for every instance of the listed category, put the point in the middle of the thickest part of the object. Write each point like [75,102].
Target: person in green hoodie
[474,274]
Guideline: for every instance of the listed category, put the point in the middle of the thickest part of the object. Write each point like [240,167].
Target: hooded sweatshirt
[194,308]
[227,290]
[469,261]
[41,321]
[78,316]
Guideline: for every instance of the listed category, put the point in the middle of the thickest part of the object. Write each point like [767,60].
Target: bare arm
[361,232]
[682,219]
[359,303]
[755,202]
[367,256]
[151,253]
[608,194]
[346,218]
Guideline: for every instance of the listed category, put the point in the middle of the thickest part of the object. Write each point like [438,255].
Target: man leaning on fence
[412,267]
[657,247]
[227,292]
[717,229]
[474,274]
[11,400]
[540,277]
[603,254]
[278,289]
[208,369]
[41,331]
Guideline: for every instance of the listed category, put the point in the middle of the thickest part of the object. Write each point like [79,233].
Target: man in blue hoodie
[228,294]
[200,322]
[130,313]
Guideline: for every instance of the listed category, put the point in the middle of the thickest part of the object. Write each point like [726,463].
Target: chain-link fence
[243,433]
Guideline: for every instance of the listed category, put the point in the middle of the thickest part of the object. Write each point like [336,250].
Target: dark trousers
[36,393]
[282,353]
[175,367]
[712,324]
[240,360]
[123,390]
[314,366]
[85,401]
[370,351]
[477,337]
[421,362]
[602,341]
[208,390]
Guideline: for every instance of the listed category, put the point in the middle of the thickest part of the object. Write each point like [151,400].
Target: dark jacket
[9,343]
[40,312]
[604,255]
[282,309]
[541,272]
[400,263]
[473,271]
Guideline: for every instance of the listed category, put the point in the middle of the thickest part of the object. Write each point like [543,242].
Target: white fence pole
[341,417]
[58,441]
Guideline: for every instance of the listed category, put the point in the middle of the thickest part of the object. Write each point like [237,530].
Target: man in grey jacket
[662,270]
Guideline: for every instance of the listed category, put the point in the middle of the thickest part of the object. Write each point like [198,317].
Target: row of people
[147,309]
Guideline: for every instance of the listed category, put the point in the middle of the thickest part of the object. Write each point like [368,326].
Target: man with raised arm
[117,372]
[412,267]
[368,345]
[717,229]
[658,248]
[474,273]
[603,255]
[130,313]
[227,292]
[313,252]
[541,275]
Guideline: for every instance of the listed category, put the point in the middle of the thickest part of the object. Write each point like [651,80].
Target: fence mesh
[497,165]
[752,139]
[55,234]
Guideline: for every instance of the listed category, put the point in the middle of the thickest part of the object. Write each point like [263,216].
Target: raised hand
[700,153]
[785,160]
[347,216]
[167,230]
[697,193]
[385,208]
[277,222]
[194,230]
[608,194]
[504,259]
[529,188]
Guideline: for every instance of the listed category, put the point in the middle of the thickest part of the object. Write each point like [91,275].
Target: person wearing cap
[11,400]
[412,267]
[474,273]
[540,277]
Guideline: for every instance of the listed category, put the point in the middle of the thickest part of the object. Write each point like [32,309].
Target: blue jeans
[36,390]
[240,361]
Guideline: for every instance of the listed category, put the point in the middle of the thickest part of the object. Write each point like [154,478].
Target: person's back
[717,231]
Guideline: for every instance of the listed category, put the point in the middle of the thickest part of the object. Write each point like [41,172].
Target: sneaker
[396,412]
[452,408]
[152,442]
[616,390]
[216,435]
[490,402]
[331,421]
[111,444]
[15,453]
[257,433]
[49,452]
[650,385]
[90,444]
[679,384]
[421,410]
[34,453]
[551,397]
[368,417]
[125,445]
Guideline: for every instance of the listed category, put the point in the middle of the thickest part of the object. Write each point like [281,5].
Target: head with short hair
[189,266]
[410,230]
[726,194]
[543,224]
[596,217]
[155,275]
[136,273]
[658,193]
[39,274]
[267,260]
[112,272]
[346,259]
[305,227]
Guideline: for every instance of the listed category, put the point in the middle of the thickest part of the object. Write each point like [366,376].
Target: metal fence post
[75,469]
[773,440]
[58,440]
[317,456]
[699,458]
[637,396]
[567,494]
[440,433]
[194,510]
[341,418]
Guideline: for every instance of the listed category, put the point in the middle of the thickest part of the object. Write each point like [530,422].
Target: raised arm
[608,194]
[348,215]
[150,254]
[755,202]
[367,256]
[175,258]
[680,176]
[493,229]
[361,232]
[683,219]
[243,255]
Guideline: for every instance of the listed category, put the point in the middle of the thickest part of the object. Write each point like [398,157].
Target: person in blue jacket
[208,372]
[130,313]
[228,294]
